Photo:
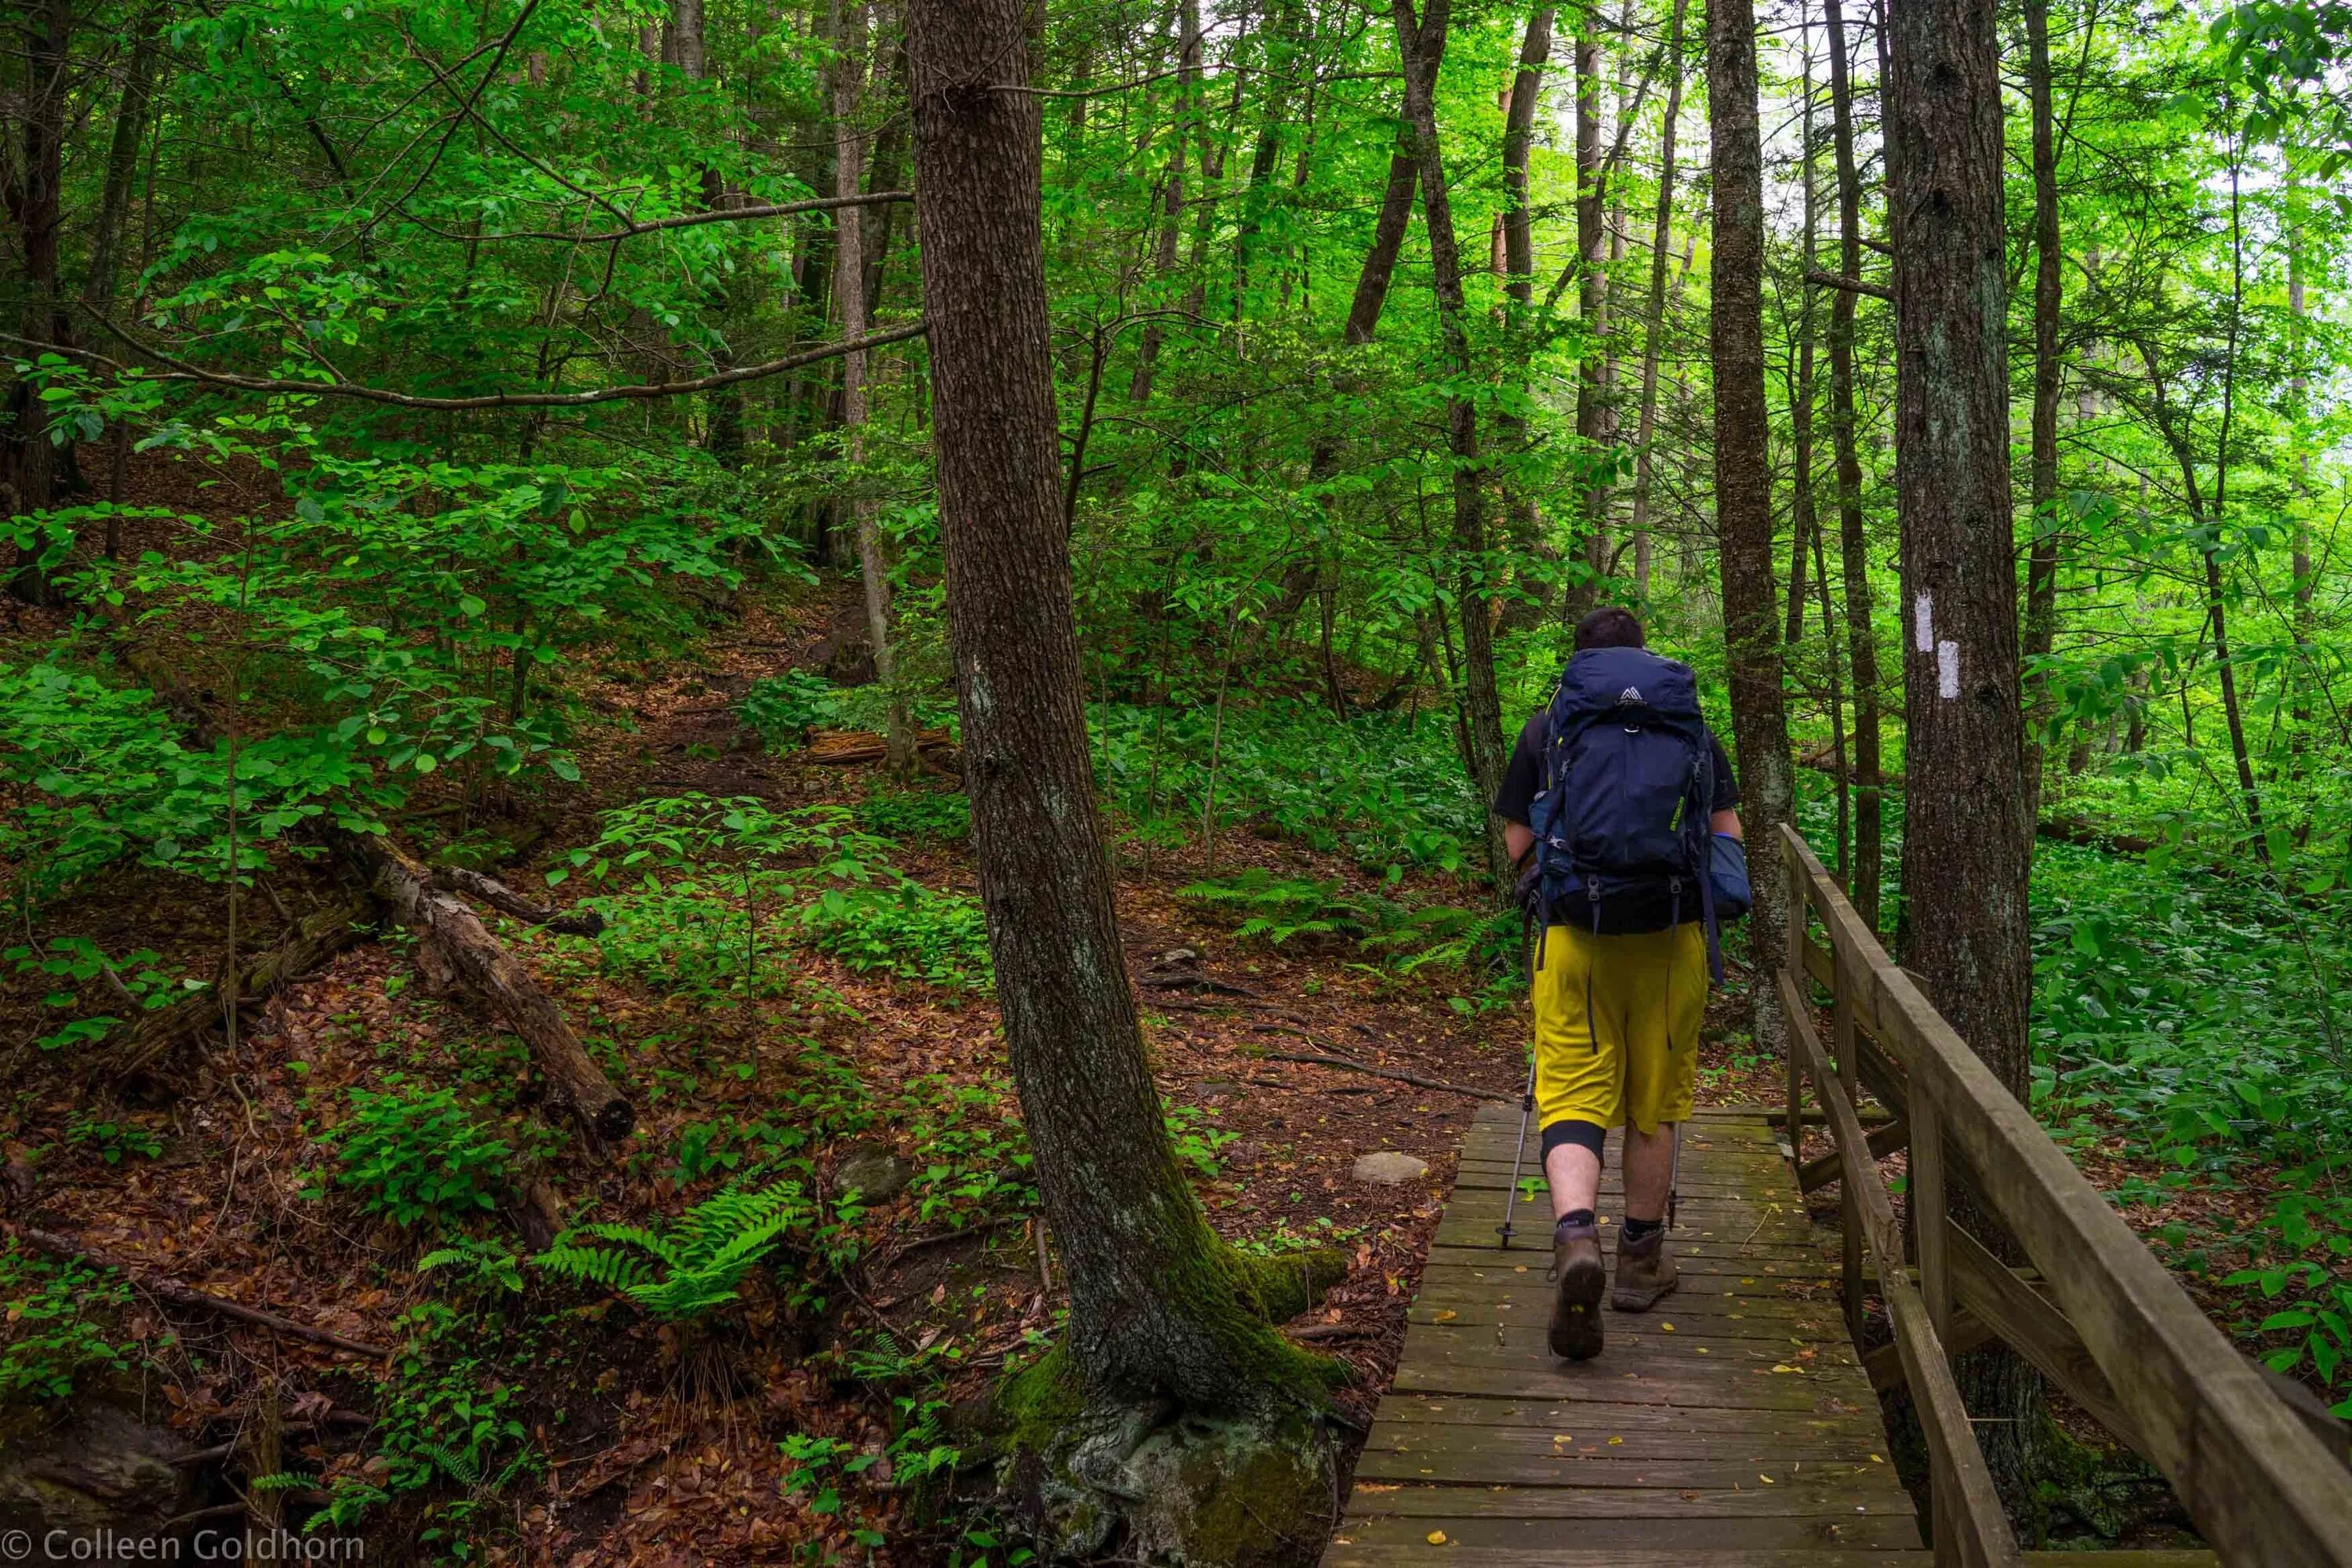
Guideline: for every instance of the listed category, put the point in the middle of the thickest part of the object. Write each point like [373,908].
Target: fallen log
[507,901]
[143,1039]
[187,1296]
[842,748]
[456,946]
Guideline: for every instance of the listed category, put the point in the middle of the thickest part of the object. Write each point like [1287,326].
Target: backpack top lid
[1601,680]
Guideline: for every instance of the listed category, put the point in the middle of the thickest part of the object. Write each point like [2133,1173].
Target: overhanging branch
[179,369]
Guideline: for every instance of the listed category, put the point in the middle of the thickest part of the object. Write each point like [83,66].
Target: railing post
[1859,1166]
[1794,920]
[1929,1218]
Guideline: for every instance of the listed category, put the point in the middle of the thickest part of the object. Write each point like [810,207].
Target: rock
[876,1173]
[1177,955]
[98,1469]
[1389,1169]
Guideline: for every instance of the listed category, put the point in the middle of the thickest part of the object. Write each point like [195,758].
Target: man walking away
[1609,806]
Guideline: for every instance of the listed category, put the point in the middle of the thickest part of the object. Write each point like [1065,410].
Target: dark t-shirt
[1516,800]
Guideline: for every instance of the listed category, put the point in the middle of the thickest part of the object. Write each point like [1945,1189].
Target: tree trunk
[1653,338]
[1862,638]
[1591,310]
[1966,831]
[1523,523]
[1188,88]
[1801,520]
[1159,1305]
[2305,677]
[32,189]
[849,291]
[2041,556]
[1482,700]
[122,164]
[1743,475]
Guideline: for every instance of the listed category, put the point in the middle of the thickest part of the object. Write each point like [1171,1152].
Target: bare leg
[1574,1174]
[1649,1170]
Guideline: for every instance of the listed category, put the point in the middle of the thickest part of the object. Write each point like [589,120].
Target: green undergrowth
[1393,938]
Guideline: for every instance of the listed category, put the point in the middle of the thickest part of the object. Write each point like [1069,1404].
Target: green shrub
[49,1332]
[417,1155]
[907,930]
[917,816]
[782,709]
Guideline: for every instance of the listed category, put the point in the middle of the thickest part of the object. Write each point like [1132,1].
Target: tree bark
[849,291]
[1801,520]
[1159,1305]
[1743,477]
[2041,556]
[1861,606]
[1482,700]
[1967,831]
[1523,523]
[1653,338]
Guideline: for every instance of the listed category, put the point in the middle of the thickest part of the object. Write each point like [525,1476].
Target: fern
[693,1265]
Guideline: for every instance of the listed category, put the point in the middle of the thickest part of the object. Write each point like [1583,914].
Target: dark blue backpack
[1621,818]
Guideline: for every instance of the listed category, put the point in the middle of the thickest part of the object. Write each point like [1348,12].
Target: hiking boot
[1576,1311]
[1645,1272]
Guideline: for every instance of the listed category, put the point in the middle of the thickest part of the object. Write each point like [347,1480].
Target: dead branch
[507,901]
[844,747]
[143,1039]
[187,1296]
[181,370]
[1349,1064]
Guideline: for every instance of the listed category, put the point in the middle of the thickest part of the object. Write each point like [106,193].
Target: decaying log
[463,949]
[140,1040]
[845,747]
[507,901]
[187,1296]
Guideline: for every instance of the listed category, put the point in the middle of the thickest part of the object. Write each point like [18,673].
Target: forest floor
[583,1432]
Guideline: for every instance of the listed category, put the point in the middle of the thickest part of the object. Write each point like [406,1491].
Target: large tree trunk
[1647,421]
[1482,701]
[1968,834]
[2041,556]
[1743,475]
[1862,638]
[849,290]
[1159,1306]
[1801,520]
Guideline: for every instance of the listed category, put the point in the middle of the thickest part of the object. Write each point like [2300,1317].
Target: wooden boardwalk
[1730,1424]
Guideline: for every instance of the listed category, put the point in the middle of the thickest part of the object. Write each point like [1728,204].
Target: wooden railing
[2257,1462]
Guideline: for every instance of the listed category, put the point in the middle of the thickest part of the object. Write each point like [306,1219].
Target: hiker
[1602,805]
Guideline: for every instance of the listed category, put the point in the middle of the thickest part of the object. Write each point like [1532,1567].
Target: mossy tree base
[1163,1486]
[1250,1483]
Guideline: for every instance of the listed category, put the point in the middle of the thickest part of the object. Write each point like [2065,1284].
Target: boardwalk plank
[1732,1424]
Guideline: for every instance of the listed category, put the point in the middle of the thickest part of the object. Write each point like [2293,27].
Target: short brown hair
[1608,626]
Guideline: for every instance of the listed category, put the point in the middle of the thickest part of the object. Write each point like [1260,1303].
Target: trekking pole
[1518,1151]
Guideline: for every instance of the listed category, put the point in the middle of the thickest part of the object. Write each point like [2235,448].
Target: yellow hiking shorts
[1636,1057]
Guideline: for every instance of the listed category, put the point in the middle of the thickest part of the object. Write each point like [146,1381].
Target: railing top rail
[2261,1486]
